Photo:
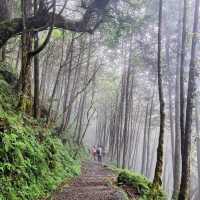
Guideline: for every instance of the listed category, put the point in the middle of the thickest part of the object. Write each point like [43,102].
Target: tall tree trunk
[4,15]
[125,129]
[75,83]
[68,52]
[185,178]
[36,103]
[81,112]
[67,90]
[182,90]
[84,96]
[148,171]
[153,154]
[120,118]
[25,102]
[144,152]
[165,174]
[177,153]
[44,74]
[134,158]
[198,141]
[170,80]
[159,164]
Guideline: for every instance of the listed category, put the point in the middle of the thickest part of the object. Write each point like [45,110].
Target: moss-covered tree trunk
[25,101]
[159,164]
[36,104]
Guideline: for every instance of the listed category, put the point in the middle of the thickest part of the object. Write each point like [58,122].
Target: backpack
[98,151]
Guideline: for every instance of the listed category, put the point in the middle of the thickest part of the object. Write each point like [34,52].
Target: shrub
[29,168]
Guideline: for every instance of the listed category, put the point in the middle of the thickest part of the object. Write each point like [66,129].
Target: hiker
[99,154]
[94,152]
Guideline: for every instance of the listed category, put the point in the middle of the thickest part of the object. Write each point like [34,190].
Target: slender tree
[125,128]
[182,90]
[25,103]
[185,178]
[197,141]
[144,152]
[36,103]
[159,164]
[177,153]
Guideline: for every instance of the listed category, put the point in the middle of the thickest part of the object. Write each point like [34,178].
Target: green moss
[25,104]
[141,184]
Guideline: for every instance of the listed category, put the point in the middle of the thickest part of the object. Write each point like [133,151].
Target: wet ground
[93,184]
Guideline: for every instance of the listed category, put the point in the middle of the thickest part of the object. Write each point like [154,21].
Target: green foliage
[113,31]
[57,34]
[131,18]
[7,100]
[142,185]
[30,166]
[33,162]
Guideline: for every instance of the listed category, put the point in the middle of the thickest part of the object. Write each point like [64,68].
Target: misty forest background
[123,74]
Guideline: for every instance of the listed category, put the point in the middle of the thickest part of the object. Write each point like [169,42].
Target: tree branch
[39,49]
[89,22]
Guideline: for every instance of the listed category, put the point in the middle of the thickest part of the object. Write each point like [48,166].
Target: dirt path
[93,184]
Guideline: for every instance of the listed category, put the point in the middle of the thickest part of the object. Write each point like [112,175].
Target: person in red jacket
[94,152]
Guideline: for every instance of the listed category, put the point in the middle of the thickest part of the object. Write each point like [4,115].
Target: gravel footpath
[93,184]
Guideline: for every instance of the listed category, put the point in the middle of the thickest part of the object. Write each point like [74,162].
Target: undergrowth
[33,162]
[141,184]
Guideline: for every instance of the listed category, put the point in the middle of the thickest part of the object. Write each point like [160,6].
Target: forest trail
[93,184]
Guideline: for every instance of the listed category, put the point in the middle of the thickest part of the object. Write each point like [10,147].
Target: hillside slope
[33,162]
